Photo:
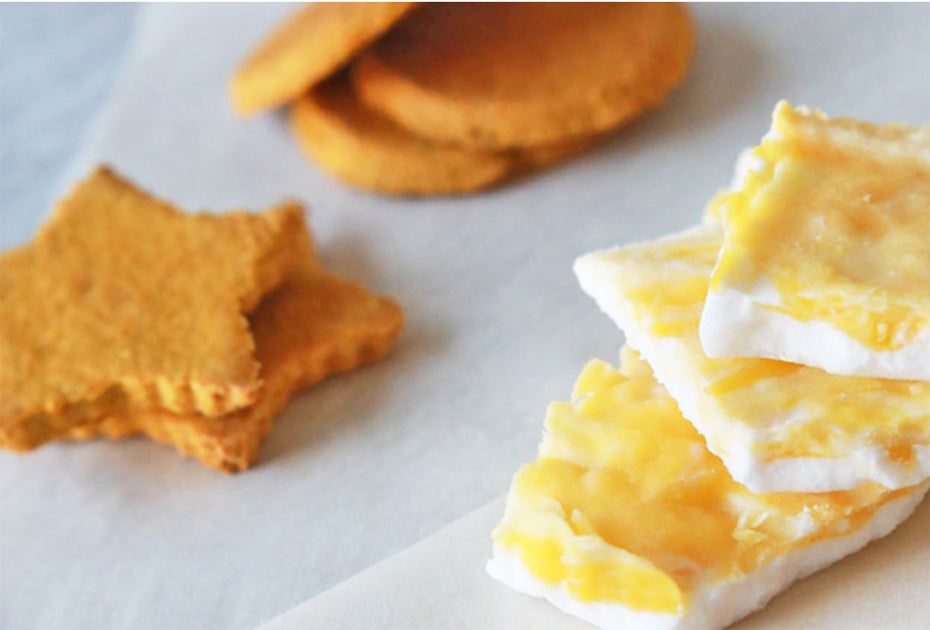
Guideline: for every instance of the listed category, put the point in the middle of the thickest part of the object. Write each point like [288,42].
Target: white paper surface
[440,583]
[107,535]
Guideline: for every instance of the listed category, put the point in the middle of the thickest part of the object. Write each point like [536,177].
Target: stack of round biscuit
[452,98]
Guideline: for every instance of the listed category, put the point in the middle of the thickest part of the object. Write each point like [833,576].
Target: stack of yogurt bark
[771,410]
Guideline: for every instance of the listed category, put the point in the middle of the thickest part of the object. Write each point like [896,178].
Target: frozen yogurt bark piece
[626,520]
[826,254]
[777,426]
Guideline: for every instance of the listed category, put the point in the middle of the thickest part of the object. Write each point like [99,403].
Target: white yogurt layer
[741,324]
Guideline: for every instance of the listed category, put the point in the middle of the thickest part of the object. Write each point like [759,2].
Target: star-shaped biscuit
[314,325]
[122,302]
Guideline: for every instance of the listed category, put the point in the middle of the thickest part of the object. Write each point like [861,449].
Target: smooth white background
[130,535]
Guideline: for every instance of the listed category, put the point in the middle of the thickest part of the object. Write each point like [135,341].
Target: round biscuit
[307,48]
[364,148]
[512,75]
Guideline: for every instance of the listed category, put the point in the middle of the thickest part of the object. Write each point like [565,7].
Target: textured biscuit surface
[499,75]
[307,48]
[364,148]
[314,325]
[121,300]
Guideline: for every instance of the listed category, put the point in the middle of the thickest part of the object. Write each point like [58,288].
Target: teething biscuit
[366,149]
[307,48]
[507,75]
[121,300]
[314,325]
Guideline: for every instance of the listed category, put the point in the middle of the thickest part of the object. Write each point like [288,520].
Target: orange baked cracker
[513,75]
[121,300]
[313,326]
[364,148]
[307,48]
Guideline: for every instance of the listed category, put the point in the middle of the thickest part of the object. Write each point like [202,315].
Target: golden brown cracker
[364,148]
[306,49]
[313,326]
[502,75]
[121,300]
